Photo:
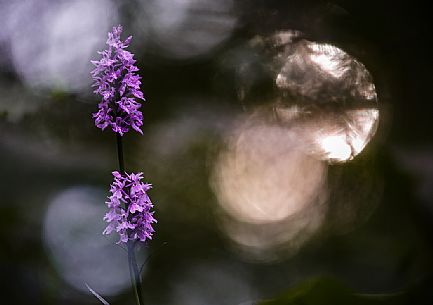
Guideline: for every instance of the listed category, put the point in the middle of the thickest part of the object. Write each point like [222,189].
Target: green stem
[120,153]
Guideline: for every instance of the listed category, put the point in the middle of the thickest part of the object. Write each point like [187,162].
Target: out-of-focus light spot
[335,136]
[52,43]
[72,233]
[263,178]
[272,191]
[318,73]
[185,29]
[330,59]
[336,147]
[332,92]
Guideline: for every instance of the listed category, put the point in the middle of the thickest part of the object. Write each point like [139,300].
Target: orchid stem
[133,272]
[120,153]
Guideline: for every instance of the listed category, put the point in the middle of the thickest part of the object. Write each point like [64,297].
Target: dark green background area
[384,256]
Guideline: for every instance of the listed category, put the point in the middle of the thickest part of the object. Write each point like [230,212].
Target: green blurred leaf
[327,291]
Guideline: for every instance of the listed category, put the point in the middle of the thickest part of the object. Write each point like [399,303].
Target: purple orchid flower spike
[118,84]
[130,208]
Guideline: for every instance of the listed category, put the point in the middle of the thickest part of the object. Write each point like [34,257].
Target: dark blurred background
[242,216]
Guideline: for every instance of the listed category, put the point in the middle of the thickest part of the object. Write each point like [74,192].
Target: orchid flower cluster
[118,84]
[130,208]
[129,205]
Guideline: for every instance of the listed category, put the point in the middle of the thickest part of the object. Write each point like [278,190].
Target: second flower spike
[130,208]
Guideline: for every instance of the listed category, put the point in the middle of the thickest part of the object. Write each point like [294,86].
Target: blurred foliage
[325,291]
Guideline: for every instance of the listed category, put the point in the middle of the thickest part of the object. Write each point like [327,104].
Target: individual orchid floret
[130,208]
[118,84]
